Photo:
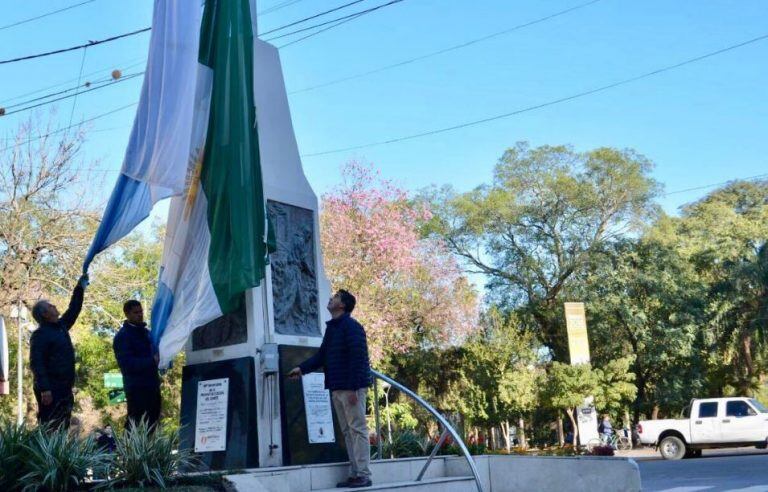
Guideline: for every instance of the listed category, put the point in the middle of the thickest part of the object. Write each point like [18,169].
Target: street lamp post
[21,315]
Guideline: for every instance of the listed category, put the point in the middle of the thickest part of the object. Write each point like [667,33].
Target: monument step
[444,484]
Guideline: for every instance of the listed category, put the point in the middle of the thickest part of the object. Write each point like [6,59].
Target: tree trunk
[749,363]
[521,434]
[570,412]
[560,437]
[655,412]
[505,435]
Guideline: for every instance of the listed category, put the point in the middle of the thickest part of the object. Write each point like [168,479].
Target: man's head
[133,311]
[342,302]
[45,312]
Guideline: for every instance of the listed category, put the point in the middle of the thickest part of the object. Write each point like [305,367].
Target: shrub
[602,450]
[12,454]
[147,458]
[57,461]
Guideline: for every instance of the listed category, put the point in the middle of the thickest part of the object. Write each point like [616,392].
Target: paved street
[743,470]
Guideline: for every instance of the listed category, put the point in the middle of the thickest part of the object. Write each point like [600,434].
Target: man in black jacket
[138,363]
[343,355]
[52,358]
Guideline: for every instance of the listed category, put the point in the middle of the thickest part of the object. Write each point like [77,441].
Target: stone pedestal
[266,423]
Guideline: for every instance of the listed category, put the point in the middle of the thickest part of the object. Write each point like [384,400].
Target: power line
[712,185]
[37,91]
[333,26]
[102,115]
[445,50]
[278,7]
[544,104]
[24,21]
[355,15]
[73,48]
[91,89]
[315,16]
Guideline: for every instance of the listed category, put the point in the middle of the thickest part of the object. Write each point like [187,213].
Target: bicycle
[617,442]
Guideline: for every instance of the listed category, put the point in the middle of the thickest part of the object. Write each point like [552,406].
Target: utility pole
[20,365]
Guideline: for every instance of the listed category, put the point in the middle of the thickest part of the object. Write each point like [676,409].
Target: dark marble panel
[294,272]
[242,444]
[296,447]
[229,329]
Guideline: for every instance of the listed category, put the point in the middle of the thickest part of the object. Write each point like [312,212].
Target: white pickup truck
[708,423]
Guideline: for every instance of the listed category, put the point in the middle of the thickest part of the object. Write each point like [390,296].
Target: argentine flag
[216,245]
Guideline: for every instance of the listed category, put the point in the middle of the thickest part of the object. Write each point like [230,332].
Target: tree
[724,235]
[45,226]
[568,386]
[645,301]
[411,291]
[547,211]
[615,385]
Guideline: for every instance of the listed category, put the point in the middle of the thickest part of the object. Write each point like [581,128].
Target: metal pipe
[432,455]
[378,417]
[442,420]
[20,367]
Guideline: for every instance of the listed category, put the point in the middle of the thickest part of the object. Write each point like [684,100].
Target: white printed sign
[317,406]
[211,421]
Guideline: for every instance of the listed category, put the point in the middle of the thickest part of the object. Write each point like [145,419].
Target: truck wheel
[672,448]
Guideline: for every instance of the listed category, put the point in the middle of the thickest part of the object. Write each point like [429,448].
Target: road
[742,470]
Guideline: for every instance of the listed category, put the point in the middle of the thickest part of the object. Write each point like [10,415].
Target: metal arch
[442,420]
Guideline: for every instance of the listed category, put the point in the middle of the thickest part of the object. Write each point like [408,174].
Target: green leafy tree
[568,386]
[645,301]
[546,213]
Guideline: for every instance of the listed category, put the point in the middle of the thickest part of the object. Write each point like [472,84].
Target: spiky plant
[149,458]
[13,438]
[57,461]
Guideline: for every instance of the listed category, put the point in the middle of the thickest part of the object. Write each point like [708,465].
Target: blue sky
[701,124]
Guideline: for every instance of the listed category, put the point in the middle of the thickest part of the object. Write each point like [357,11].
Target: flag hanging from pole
[155,160]
[195,139]
[216,244]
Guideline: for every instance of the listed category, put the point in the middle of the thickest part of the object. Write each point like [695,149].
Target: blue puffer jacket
[343,355]
[133,351]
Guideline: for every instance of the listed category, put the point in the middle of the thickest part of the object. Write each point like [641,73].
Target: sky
[701,124]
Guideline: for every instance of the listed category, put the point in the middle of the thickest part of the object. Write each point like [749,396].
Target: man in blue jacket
[138,363]
[343,355]
[52,358]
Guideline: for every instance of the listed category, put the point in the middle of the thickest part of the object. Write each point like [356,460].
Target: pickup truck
[708,423]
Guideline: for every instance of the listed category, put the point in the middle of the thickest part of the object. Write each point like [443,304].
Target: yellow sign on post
[576,324]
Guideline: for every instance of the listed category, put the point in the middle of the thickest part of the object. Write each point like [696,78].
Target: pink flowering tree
[410,290]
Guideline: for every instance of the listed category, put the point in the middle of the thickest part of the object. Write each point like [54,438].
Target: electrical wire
[277,7]
[356,14]
[315,16]
[91,89]
[47,14]
[333,26]
[94,118]
[74,48]
[446,50]
[133,64]
[553,102]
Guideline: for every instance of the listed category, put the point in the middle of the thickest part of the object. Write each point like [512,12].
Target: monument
[238,409]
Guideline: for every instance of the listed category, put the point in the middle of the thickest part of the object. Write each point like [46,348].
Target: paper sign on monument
[317,406]
[211,421]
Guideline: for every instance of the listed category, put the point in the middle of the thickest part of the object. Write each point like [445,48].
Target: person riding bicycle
[605,429]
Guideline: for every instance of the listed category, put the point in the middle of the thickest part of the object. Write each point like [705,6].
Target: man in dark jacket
[138,363]
[343,355]
[52,358]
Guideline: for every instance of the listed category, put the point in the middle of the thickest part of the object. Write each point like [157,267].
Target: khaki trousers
[355,429]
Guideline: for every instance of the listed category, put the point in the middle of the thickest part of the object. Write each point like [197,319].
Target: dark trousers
[143,403]
[59,412]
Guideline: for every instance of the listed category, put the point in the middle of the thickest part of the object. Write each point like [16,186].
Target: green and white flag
[216,244]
